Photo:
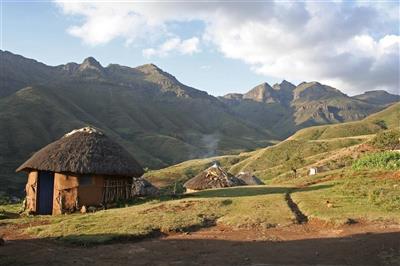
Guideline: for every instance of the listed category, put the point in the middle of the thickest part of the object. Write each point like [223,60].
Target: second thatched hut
[213,177]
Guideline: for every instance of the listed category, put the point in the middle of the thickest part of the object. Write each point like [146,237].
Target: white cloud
[189,46]
[353,46]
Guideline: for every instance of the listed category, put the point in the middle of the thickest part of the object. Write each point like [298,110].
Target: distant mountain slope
[387,118]
[284,108]
[155,117]
[378,97]
[17,72]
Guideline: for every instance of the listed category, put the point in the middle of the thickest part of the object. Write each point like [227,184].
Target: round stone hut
[83,168]
[249,179]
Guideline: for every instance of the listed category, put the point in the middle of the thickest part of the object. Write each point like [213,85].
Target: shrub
[381,123]
[387,139]
[189,173]
[388,160]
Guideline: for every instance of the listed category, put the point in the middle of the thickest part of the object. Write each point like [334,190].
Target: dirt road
[307,244]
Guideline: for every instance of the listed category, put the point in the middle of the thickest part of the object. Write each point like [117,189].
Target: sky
[218,46]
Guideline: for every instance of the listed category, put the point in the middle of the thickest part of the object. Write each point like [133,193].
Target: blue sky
[218,47]
[38,30]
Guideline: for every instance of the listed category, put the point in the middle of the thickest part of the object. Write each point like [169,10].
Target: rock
[350,221]
[83,209]
[91,209]
[142,188]
[15,199]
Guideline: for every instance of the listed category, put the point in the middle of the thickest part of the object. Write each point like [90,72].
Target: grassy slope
[237,207]
[314,144]
[359,195]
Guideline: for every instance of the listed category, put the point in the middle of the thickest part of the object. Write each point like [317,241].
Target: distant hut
[249,179]
[313,171]
[213,177]
[142,188]
[83,168]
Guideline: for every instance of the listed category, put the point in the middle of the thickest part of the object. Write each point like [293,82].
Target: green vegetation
[294,162]
[8,210]
[388,160]
[387,140]
[315,143]
[368,195]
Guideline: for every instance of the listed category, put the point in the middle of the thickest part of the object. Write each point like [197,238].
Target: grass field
[357,195]
[236,207]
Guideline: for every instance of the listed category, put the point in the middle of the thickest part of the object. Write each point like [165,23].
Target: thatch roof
[212,177]
[84,151]
[141,188]
[249,178]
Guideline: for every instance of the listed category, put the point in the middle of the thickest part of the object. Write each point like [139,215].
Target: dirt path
[305,244]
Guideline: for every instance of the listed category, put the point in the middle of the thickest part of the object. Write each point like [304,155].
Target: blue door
[45,192]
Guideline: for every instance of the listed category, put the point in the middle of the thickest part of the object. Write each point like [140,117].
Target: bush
[189,173]
[387,139]
[388,160]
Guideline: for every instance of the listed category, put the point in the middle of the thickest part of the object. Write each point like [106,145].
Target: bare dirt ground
[314,243]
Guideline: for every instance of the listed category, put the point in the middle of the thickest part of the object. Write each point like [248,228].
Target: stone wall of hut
[30,189]
[65,197]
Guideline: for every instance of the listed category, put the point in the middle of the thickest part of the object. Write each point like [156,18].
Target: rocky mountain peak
[284,86]
[91,64]
[313,91]
[149,69]
[262,93]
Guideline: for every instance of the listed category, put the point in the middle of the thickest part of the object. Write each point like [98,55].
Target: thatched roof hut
[82,168]
[249,179]
[143,188]
[213,177]
[84,151]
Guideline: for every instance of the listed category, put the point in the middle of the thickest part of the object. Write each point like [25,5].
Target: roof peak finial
[87,129]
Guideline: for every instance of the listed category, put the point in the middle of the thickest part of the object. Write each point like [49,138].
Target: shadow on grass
[9,215]
[246,191]
[360,249]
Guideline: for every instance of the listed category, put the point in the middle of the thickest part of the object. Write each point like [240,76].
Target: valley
[150,113]
[342,207]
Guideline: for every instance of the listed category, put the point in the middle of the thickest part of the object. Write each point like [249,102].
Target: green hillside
[155,117]
[158,133]
[315,145]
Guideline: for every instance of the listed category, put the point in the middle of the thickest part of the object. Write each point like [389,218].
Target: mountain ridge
[147,110]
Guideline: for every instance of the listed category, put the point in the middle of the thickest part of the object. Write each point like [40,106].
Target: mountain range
[155,117]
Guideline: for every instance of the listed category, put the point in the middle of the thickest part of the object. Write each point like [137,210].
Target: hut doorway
[45,192]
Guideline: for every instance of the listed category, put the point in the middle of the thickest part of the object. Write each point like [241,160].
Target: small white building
[313,171]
